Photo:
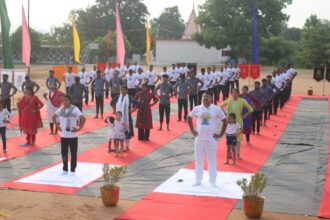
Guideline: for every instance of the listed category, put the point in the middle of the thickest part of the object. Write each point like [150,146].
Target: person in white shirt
[223,78]
[209,81]
[131,79]
[209,117]
[173,74]
[141,78]
[232,74]
[203,77]
[109,71]
[233,129]
[186,70]
[120,71]
[85,79]
[68,117]
[68,79]
[136,67]
[237,71]
[5,117]
[152,78]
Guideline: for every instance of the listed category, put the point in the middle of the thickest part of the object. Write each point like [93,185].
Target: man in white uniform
[131,79]
[208,118]
[108,76]
[152,78]
[68,78]
[85,79]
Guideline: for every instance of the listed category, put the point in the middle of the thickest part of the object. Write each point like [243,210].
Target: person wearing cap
[165,93]
[29,83]
[52,79]
[6,88]
[68,79]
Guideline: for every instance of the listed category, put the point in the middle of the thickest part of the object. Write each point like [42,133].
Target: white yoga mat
[85,174]
[182,183]
[3,159]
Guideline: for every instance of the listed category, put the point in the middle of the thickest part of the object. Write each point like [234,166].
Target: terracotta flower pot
[253,208]
[310,92]
[110,195]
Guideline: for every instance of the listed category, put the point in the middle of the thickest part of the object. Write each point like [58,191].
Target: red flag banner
[101,66]
[254,71]
[244,71]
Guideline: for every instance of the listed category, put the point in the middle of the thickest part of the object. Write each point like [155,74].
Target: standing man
[85,79]
[99,84]
[131,79]
[194,89]
[93,76]
[269,94]
[29,83]
[174,75]
[140,78]
[68,117]
[166,90]
[231,79]
[183,85]
[202,76]
[152,78]
[52,79]
[115,84]
[109,71]
[68,79]
[6,87]
[77,92]
[206,135]
[237,71]
[222,84]
[257,113]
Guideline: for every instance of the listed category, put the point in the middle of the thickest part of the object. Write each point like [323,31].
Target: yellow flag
[76,42]
[148,43]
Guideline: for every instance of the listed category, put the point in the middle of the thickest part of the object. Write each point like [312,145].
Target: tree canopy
[226,23]
[169,24]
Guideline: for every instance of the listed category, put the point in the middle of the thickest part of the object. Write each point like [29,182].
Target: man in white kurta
[209,116]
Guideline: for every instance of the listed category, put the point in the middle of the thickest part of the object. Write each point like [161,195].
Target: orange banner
[60,70]
[255,71]
[244,71]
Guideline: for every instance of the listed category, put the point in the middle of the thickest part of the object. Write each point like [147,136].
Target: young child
[5,117]
[119,133]
[111,121]
[233,129]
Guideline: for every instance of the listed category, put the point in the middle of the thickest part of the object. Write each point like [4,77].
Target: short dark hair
[124,87]
[264,80]
[111,119]
[68,97]
[77,79]
[246,87]
[234,89]
[233,115]
[257,83]
[119,113]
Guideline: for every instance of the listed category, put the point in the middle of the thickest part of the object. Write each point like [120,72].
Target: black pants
[256,121]
[222,89]
[143,134]
[210,90]
[93,94]
[270,108]
[78,105]
[67,90]
[200,96]
[183,103]
[227,90]
[237,84]
[6,103]
[72,144]
[87,96]
[265,112]
[131,92]
[247,137]
[193,101]
[164,109]
[152,88]
[231,86]
[282,99]
[3,137]
[107,92]
[215,95]
[99,104]
[276,102]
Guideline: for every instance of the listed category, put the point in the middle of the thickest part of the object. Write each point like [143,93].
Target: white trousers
[209,149]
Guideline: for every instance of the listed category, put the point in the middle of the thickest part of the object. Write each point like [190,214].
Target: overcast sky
[48,13]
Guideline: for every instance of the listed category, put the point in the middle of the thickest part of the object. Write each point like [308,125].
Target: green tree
[292,34]
[16,43]
[169,24]
[315,42]
[102,51]
[226,23]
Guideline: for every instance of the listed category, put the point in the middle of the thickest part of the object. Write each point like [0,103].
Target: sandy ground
[23,205]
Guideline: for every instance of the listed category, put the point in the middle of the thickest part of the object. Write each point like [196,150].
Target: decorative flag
[76,42]
[108,44]
[120,39]
[5,29]
[254,71]
[244,71]
[148,43]
[255,46]
[26,41]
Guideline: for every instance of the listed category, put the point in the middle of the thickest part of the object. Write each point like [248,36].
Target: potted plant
[110,191]
[252,199]
[310,91]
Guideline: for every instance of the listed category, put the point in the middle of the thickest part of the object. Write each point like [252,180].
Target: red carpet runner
[99,155]
[162,206]
[324,211]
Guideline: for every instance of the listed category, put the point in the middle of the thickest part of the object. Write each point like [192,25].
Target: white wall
[186,51]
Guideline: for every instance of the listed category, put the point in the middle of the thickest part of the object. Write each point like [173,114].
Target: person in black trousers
[69,121]
[183,87]
[196,84]
[99,84]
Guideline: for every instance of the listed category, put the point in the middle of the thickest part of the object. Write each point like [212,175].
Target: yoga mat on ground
[176,206]
[324,211]
[100,155]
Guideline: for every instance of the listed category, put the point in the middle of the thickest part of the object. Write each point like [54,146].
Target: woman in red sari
[144,116]
[29,116]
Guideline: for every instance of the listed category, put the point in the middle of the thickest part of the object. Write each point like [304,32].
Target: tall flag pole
[5,29]
[148,43]
[255,46]
[119,39]
[26,41]
[108,44]
[76,42]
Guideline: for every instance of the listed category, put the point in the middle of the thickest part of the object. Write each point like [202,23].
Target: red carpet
[100,155]
[324,211]
[173,206]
